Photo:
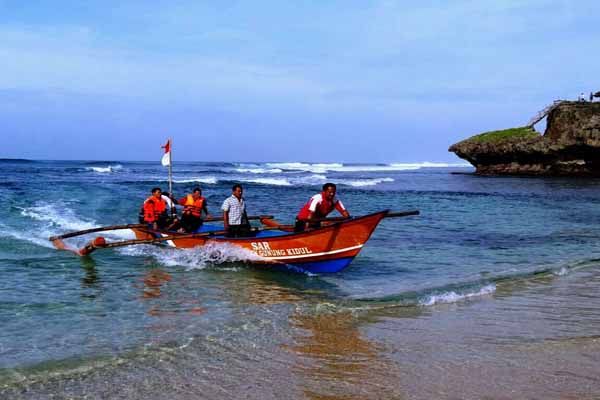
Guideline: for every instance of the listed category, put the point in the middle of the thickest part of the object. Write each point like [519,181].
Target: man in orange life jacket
[318,207]
[155,210]
[193,205]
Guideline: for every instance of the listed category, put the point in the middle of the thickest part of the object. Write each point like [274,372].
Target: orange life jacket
[194,206]
[153,209]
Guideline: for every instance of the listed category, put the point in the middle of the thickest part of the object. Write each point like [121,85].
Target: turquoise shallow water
[496,276]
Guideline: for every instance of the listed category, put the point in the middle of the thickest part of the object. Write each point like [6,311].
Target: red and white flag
[166,158]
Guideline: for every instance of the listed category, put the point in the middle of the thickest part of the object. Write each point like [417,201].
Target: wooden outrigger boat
[327,249]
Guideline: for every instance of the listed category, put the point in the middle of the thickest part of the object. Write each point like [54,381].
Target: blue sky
[346,81]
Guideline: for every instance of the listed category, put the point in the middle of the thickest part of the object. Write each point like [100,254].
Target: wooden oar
[388,215]
[402,213]
[131,226]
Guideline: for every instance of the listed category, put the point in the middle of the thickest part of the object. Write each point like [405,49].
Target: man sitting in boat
[193,206]
[318,207]
[171,220]
[155,210]
[235,220]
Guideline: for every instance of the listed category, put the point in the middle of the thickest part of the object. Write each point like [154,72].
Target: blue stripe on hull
[322,267]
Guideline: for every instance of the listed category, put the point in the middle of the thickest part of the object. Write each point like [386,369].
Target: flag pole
[170,166]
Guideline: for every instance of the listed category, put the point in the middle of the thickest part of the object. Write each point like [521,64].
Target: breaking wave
[57,219]
[365,182]
[104,170]
[58,216]
[211,180]
[52,219]
[338,167]
[196,258]
[9,232]
[260,170]
[268,181]
[314,179]
[298,166]
[453,297]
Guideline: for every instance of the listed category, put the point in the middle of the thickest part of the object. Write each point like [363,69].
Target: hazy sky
[363,81]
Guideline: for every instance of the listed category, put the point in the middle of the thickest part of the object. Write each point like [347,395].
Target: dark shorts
[190,223]
[234,231]
[162,222]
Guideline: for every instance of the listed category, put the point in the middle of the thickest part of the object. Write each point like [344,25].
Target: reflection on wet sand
[337,362]
[258,289]
[326,356]
[91,273]
[153,281]
[272,294]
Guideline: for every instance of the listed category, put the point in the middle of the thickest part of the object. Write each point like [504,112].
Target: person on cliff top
[235,219]
[193,206]
[318,207]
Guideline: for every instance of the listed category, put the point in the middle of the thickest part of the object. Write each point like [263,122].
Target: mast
[171,166]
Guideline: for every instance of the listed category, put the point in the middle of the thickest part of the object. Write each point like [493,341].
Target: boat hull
[328,249]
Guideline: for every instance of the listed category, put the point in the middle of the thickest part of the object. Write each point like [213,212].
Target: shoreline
[494,346]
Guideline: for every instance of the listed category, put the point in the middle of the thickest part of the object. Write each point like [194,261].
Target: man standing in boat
[318,207]
[193,206]
[155,210]
[235,220]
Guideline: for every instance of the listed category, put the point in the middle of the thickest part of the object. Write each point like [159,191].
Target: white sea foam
[289,181]
[260,170]
[337,167]
[58,216]
[268,181]
[298,166]
[55,218]
[206,179]
[9,232]
[561,272]
[104,170]
[309,180]
[365,182]
[195,258]
[453,297]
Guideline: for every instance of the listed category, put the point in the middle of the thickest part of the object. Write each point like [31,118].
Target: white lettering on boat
[263,249]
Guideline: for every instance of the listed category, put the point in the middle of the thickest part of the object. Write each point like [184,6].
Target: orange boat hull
[323,250]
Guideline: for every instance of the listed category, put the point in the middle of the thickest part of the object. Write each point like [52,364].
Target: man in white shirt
[235,220]
[318,207]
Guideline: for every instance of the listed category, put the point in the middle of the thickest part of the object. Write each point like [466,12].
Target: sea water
[491,292]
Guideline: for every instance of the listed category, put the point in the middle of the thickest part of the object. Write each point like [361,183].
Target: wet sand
[534,338]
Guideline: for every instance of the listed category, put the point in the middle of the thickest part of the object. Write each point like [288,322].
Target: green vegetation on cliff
[523,132]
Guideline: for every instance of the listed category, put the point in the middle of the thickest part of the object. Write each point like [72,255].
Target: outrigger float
[327,249]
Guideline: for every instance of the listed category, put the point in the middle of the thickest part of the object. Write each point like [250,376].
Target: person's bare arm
[226,220]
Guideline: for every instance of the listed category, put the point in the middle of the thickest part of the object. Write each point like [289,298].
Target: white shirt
[235,208]
[168,201]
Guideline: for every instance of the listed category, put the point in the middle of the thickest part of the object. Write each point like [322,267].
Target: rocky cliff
[570,146]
